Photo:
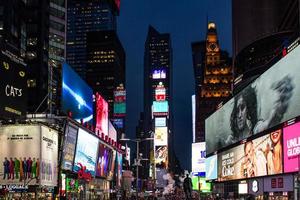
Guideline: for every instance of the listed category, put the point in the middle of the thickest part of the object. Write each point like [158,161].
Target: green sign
[201,184]
[71,185]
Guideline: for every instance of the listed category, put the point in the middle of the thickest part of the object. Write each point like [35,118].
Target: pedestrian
[187,186]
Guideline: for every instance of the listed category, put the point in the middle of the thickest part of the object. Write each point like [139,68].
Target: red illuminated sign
[83,174]
[160,92]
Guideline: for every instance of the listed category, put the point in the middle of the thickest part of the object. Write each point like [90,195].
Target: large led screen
[20,148]
[161,155]
[103,161]
[160,106]
[49,157]
[161,136]
[119,109]
[270,100]
[160,121]
[198,158]
[77,96]
[119,168]
[69,146]
[159,74]
[13,86]
[112,133]
[291,147]
[259,157]
[118,122]
[211,167]
[112,164]
[86,152]
[101,115]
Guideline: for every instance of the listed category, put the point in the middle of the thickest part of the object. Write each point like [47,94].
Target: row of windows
[102,61]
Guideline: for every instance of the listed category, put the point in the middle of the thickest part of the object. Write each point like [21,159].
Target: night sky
[186,21]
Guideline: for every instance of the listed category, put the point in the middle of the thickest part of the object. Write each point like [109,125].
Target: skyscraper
[158,93]
[213,76]
[85,17]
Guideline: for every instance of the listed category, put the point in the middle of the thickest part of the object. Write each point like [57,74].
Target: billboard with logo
[86,152]
[69,146]
[258,157]
[159,74]
[211,167]
[49,157]
[29,154]
[161,136]
[161,156]
[291,147]
[160,121]
[13,85]
[119,102]
[101,115]
[77,96]
[119,168]
[112,132]
[160,92]
[102,167]
[268,101]
[118,122]
[198,158]
[160,108]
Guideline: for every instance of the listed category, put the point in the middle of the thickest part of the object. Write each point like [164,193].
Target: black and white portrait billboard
[271,99]
[13,85]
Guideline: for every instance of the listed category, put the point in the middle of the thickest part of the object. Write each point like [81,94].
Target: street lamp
[138,159]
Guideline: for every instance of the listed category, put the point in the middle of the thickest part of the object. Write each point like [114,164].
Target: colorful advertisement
[13,85]
[49,157]
[112,164]
[119,109]
[103,160]
[291,147]
[211,167]
[198,158]
[160,92]
[71,185]
[259,157]
[86,152]
[200,184]
[265,103]
[160,107]
[77,96]
[161,136]
[161,156]
[160,121]
[118,122]
[160,181]
[159,74]
[112,133]
[119,168]
[20,148]
[69,146]
[101,115]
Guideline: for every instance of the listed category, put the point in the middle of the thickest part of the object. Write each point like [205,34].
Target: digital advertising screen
[159,74]
[13,85]
[161,136]
[101,115]
[49,157]
[160,181]
[112,133]
[69,146]
[20,148]
[160,93]
[112,164]
[211,167]
[265,103]
[161,155]
[160,121]
[119,168]
[160,107]
[118,122]
[291,147]
[258,157]
[119,109]
[200,184]
[120,95]
[77,96]
[103,160]
[198,158]
[86,151]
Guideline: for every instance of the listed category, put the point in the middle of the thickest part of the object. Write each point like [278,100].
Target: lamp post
[138,159]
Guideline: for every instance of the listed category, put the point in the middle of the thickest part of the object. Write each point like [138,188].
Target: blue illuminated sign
[160,106]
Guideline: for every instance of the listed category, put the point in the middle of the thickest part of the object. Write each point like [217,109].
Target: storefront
[256,188]
[279,187]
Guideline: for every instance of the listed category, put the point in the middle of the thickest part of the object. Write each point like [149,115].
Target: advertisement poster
[265,103]
[118,122]
[159,74]
[119,169]
[86,152]
[13,85]
[161,155]
[161,136]
[160,121]
[69,146]
[20,154]
[211,167]
[291,147]
[102,161]
[49,159]
[259,157]
[101,115]
[112,133]
[77,96]
[198,158]
[160,106]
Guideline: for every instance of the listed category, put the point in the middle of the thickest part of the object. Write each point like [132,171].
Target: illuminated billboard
[161,136]
[160,121]
[118,122]
[268,101]
[77,96]
[69,146]
[86,151]
[291,147]
[160,108]
[258,157]
[161,155]
[160,92]
[29,153]
[101,115]
[119,109]
[211,167]
[198,158]
[159,74]
[102,167]
[120,101]
[112,133]
[201,184]
[119,168]
[13,85]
